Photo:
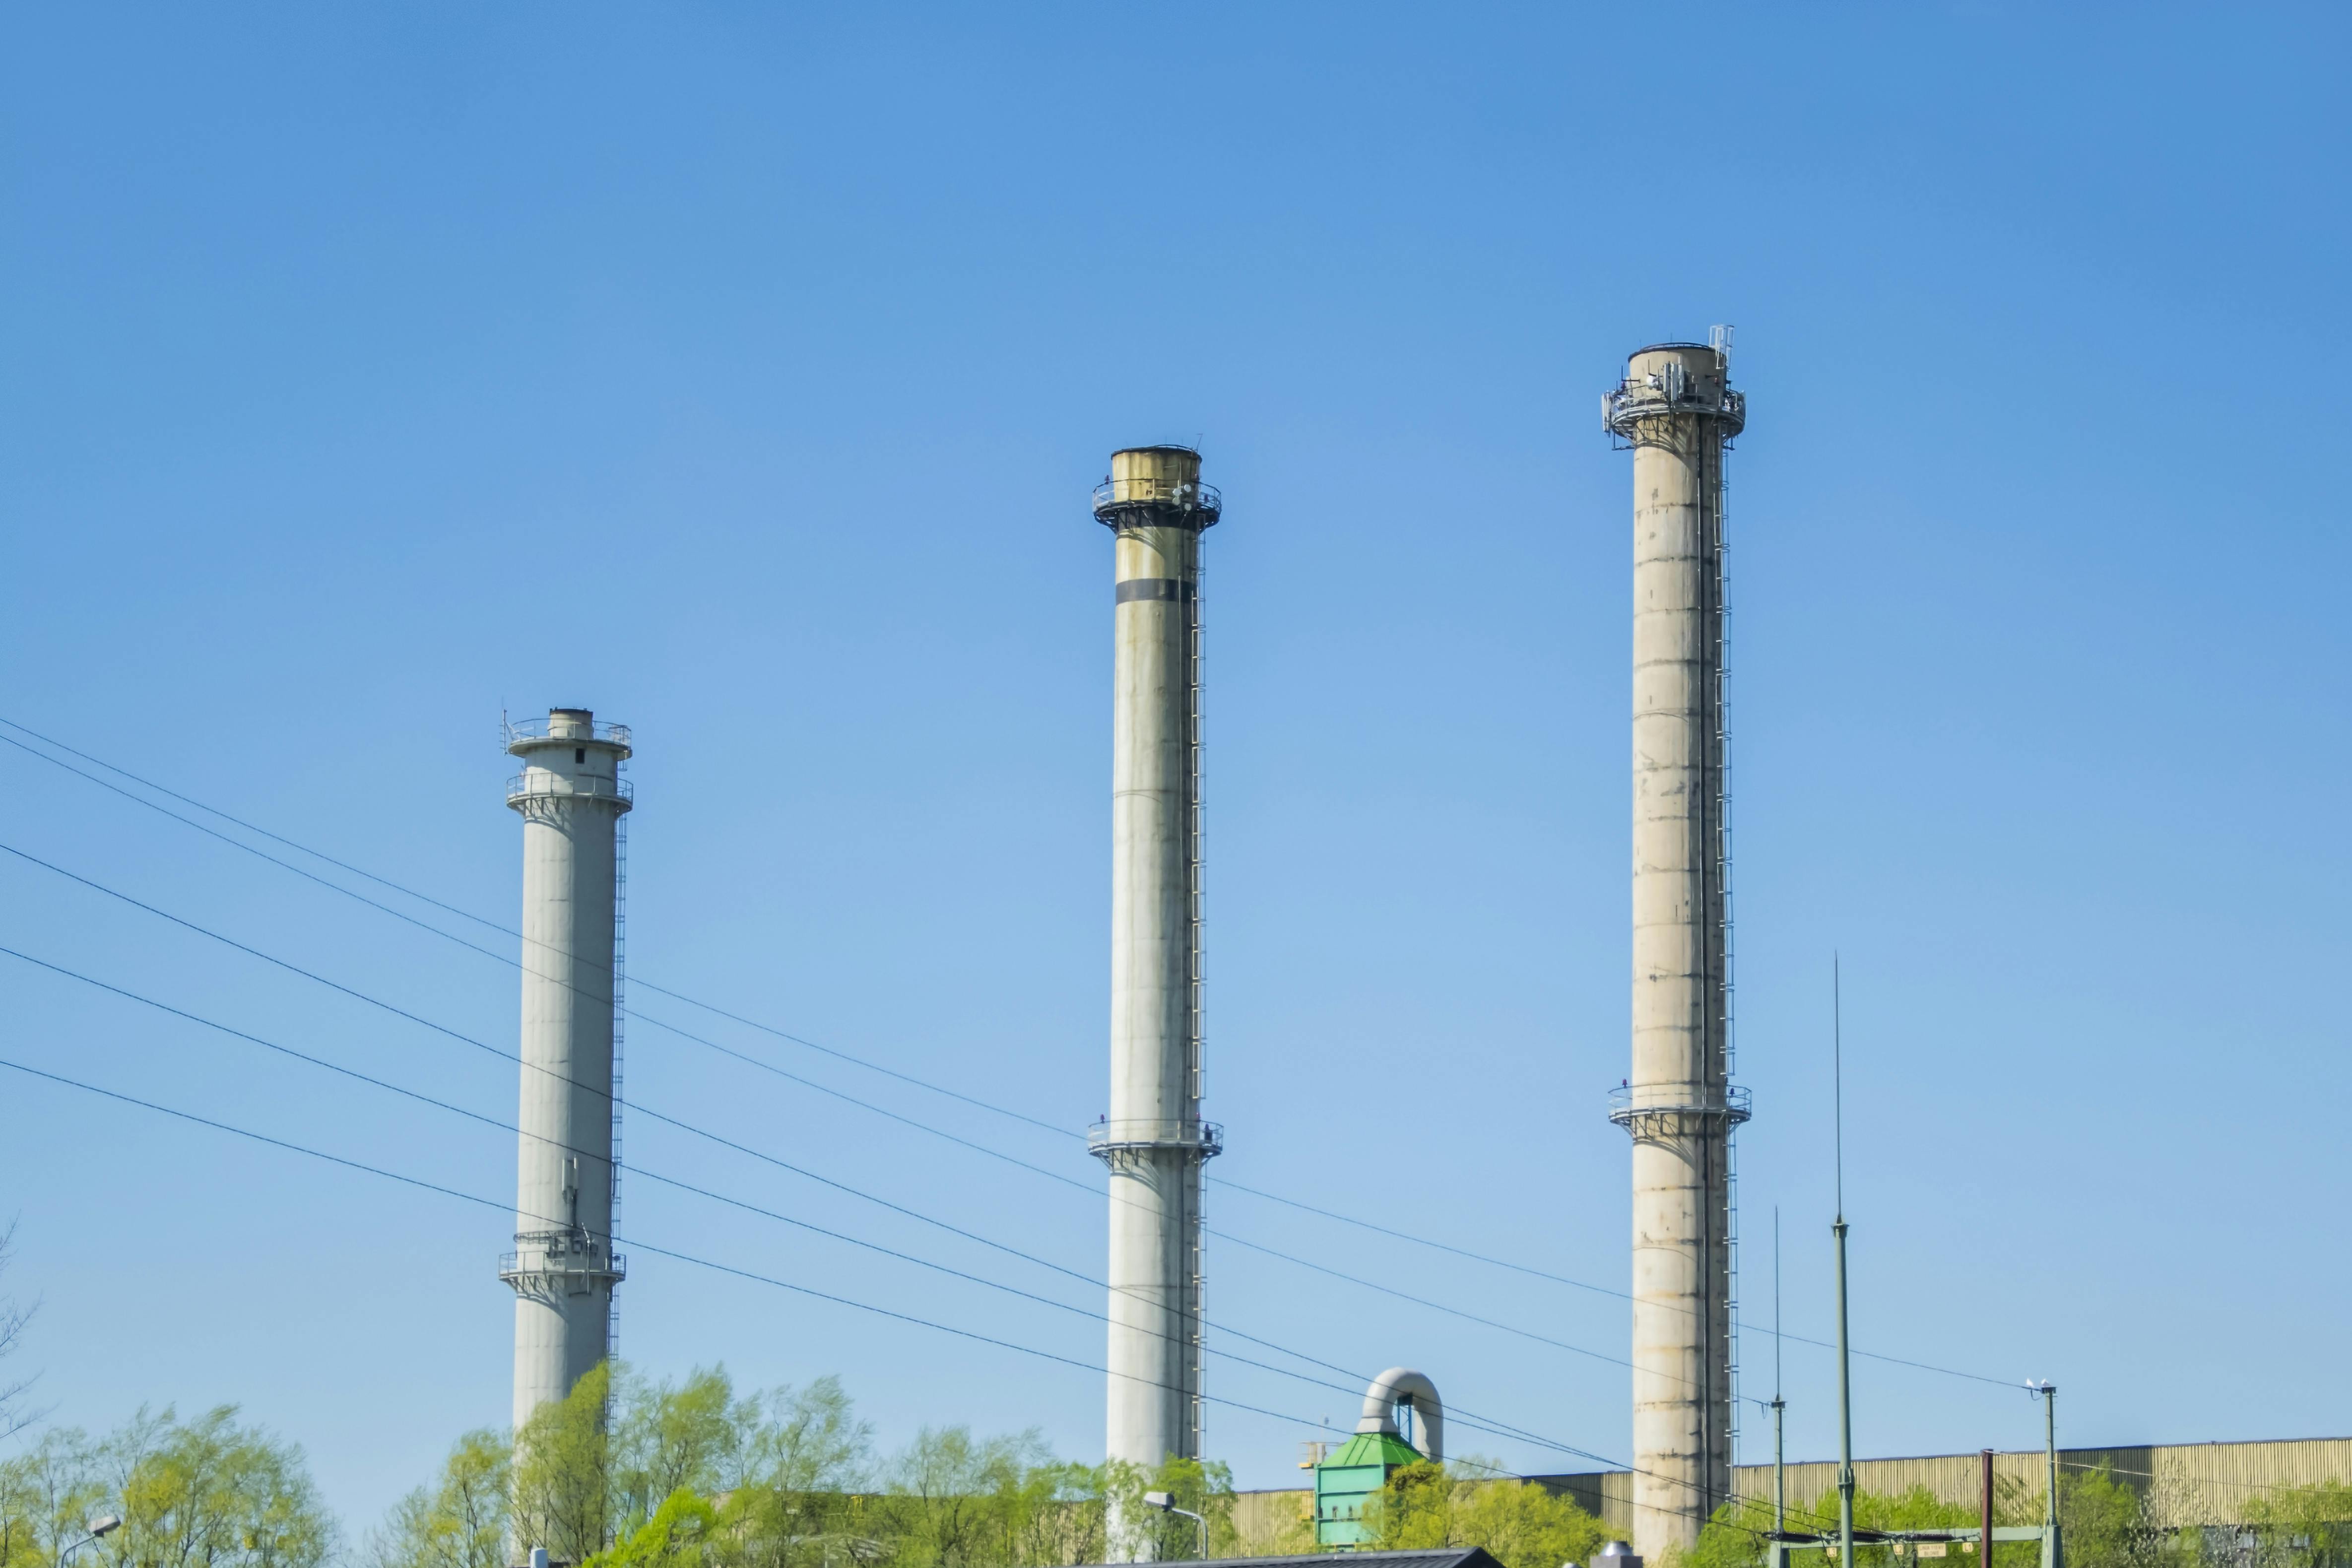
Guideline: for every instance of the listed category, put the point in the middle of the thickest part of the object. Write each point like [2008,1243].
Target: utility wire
[720,1012]
[664,1180]
[1462,1417]
[638,1245]
[1776,1333]
[707,1135]
[1423,1301]
[811,1044]
[632,1242]
[2067,1463]
[492,1122]
[749,1207]
[462,914]
[654,1176]
[514,964]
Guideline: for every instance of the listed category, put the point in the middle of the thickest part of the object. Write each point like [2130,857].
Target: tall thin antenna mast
[1780,1406]
[1837,1078]
[1846,1385]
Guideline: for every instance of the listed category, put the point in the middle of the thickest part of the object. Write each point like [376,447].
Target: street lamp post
[104,1524]
[1166,1503]
[2053,1551]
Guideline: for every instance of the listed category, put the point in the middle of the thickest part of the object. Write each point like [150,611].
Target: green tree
[958,1501]
[667,1438]
[1733,1537]
[1206,1488]
[1066,1517]
[212,1492]
[590,1476]
[1468,1503]
[458,1522]
[14,1415]
[784,1459]
[561,1493]
[805,1440]
[2304,1527]
[209,1491]
[45,1495]
[629,1473]
[677,1534]
[796,1490]
[2108,1523]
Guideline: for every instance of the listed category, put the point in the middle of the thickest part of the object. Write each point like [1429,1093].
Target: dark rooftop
[1440,1557]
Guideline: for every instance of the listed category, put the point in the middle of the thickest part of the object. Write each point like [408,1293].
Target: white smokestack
[571,796]
[1153,1139]
[1675,408]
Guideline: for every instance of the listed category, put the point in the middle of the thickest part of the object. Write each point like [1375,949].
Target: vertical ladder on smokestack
[1195,858]
[1719,339]
[620,1014]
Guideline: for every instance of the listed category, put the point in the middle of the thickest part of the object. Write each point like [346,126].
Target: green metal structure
[1782,1547]
[1782,1544]
[1346,1479]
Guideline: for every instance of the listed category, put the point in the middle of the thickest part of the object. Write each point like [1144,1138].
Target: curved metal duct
[1397,1385]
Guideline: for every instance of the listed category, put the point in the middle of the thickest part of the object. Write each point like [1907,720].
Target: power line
[1463,1414]
[1423,1301]
[700,1191]
[1465,1417]
[467,1039]
[492,1122]
[632,1242]
[2067,1463]
[639,1245]
[461,913]
[1778,1334]
[758,1154]
[427,926]
[720,1012]
[742,1148]
[627,1104]
[769,1213]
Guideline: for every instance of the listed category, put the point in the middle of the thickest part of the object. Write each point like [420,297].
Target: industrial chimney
[1677,411]
[564,1269]
[1153,1139]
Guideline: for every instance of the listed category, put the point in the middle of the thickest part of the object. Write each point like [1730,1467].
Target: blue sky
[740,372]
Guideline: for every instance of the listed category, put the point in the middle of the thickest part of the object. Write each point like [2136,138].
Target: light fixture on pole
[2053,1551]
[104,1524]
[1166,1503]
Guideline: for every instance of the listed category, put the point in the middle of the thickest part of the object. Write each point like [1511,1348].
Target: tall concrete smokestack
[1153,1139]
[1679,412]
[564,1269]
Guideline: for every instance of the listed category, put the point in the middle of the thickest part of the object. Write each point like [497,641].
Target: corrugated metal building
[2189,1483]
